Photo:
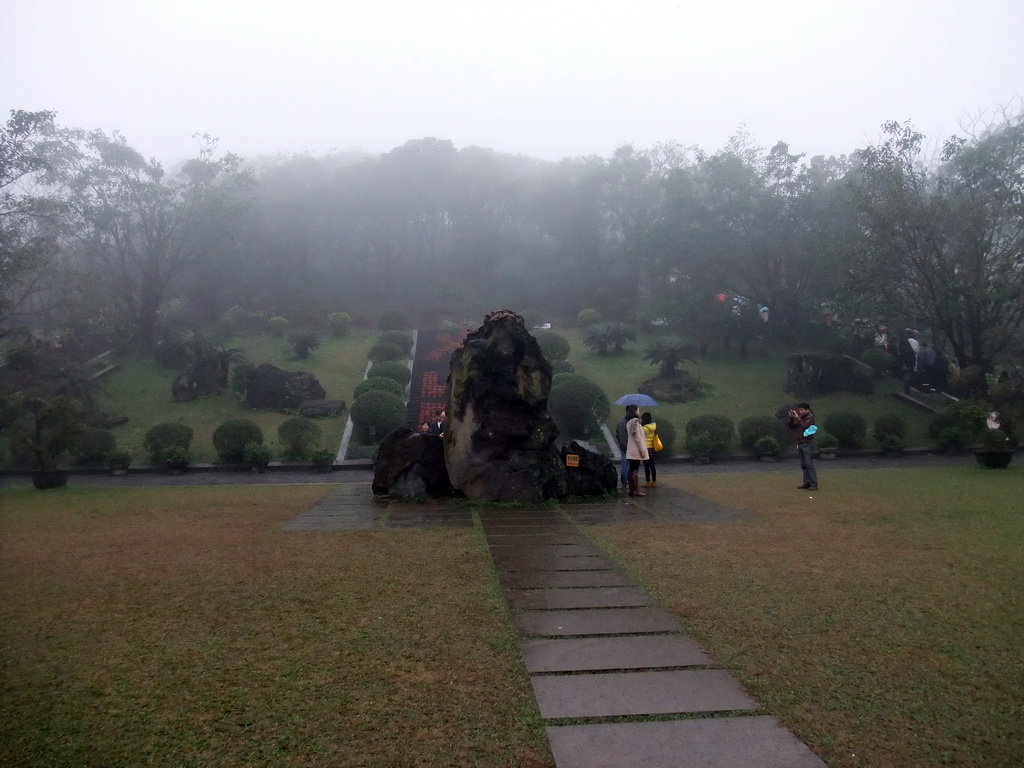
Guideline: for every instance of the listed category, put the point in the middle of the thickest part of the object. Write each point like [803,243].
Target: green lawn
[141,390]
[751,387]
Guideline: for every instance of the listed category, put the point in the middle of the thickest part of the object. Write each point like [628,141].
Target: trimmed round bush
[391,369]
[340,323]
[256,454]
[174,457]
[531,318]
[383,351]
[719,428]
[564,378]
[589,316]
[826,442]
[699,444]
[277,326]
[753,428]
[393,320]
[403,339]
[561,366]
[578,406]
[118,460]
[375,414]
[230,438]
[767,445]
[92,447]
[165,435]
[848,427]
[378,383]
[554,346]
[889,424]
[667,433]
[880,361]
[300,436]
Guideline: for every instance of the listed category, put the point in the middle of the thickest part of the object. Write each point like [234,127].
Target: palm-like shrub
[607,337]
[304,343]
[667,352]
[231,437]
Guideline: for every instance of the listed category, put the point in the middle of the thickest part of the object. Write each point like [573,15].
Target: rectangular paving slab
[595,654]
[554,563]
[599,621]
[586,597]
[615,694]
[530,540]
[542,550]
[724,742]
[563,579]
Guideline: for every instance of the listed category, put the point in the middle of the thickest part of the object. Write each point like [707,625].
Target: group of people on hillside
[922,366]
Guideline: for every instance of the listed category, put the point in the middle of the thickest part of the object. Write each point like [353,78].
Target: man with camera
[801,421]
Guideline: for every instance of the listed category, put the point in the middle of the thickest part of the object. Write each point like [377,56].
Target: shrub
[880,361]
[561,366]
[299,436]
[166,435]
[589,316]
[393,320]
[554,346]
[340,323]
[384,351]
[753,428]
[224,327]
[230,438]
[92,447]
[277,326]
[578,406]
[392,370]
[699,444]
[608,337]
[322,458]
[767,445]
[849,428]
[952,439]
[403,339]
[826,441]
[381,383]
[119,460]
[304,343]
[256,454]
[969,416]
[174,457]
[888,425]
[719,429]
[375,414]
[667,433]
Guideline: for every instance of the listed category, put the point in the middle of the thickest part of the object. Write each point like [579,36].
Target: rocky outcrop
[276,389]
[411,464]
[499,442]
[318,409]
[596,474]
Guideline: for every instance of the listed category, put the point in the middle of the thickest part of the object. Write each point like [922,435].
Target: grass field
[141,390]
[881,620]
[752,387]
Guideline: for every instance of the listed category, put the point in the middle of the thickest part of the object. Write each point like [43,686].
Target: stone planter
[994,459]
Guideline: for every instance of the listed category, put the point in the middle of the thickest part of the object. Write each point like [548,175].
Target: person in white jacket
[636,449]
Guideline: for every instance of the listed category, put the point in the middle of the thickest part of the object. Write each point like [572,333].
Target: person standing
[801,421]
[636,449]
[650,470]
[436,425]
[622,438]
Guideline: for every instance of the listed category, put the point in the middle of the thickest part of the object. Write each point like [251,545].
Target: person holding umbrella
[637,400]
[636,449]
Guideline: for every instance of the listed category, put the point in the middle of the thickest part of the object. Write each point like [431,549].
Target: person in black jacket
[801,421]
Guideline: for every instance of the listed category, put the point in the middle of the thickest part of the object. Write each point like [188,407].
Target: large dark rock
[277,389]
[499,441]
[206,376]
[318,409]
[410,463]
[596,474]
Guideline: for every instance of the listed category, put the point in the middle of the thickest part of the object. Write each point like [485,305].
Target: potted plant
[994,451]
[699,446]
[827,444]
[768,448]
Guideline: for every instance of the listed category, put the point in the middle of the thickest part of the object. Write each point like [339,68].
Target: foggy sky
[547,79]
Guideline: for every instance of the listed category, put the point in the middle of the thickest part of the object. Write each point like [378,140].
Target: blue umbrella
[637,399]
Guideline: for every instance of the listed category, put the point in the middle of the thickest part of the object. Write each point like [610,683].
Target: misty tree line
[95,237]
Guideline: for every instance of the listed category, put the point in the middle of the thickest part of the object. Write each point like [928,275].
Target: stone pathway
[616,679]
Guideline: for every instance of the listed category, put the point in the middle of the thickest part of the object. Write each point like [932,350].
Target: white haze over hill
[546,79]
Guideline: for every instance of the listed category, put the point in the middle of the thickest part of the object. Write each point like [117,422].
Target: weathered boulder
[318,409]
[499,441]
[410,463]
[596,474]
[277,389]
[206,376]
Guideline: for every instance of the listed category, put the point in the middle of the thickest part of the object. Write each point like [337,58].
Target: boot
[634,484]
